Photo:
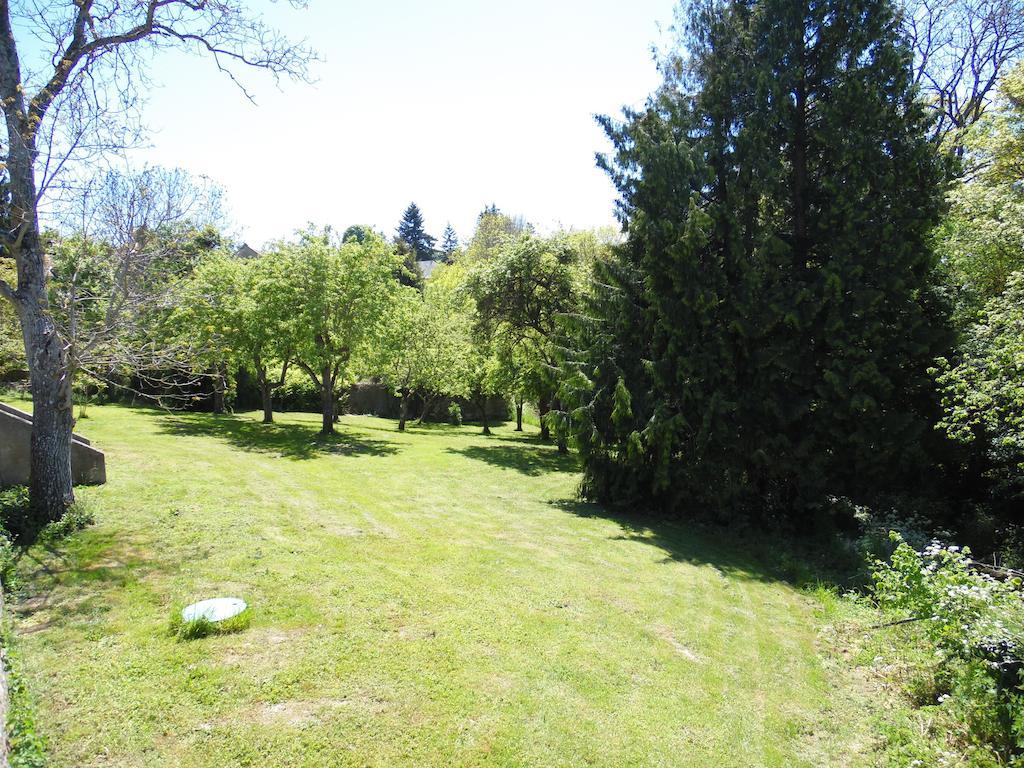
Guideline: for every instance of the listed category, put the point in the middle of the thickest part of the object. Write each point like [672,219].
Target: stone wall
[88,464]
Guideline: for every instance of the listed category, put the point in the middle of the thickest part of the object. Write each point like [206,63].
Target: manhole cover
[217,609]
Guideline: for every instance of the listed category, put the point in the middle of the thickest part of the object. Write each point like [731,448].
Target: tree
[415,237]
[983,395]
[357,232]
[962,48]
[338,295]
[12,351]
[493,229]
[449,244]
[114,279]
[62,94]
[520,295]
[238,309]
[981,240]
[766,329]
[422,347]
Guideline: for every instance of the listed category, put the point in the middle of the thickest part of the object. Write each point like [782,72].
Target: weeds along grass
[427,598]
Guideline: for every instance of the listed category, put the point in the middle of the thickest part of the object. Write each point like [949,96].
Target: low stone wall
[88,464]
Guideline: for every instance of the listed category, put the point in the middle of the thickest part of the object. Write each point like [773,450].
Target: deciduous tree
[338,295]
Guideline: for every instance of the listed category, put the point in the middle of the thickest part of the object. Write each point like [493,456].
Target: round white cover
[217,609]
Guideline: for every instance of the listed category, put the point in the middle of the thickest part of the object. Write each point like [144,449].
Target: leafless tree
[961,50]
[115,277]
[74,97]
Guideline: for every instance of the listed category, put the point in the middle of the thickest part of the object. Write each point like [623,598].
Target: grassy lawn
[429,599]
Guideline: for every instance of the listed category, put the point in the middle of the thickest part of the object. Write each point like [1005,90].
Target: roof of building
[245,252]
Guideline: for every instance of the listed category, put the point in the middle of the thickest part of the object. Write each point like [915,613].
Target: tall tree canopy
[763,337]
[449,243]
[338,295]
[411,231]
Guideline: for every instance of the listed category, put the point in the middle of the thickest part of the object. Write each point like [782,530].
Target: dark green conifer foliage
[770,320]
[412,233]
[449,243]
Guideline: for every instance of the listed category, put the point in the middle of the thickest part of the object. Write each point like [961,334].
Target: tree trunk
[327,401]
[483,415]
[543,408]
[50,488]
[519,416]
[563,443]
[266,392]
[427,406]
[403,410]
[219,386]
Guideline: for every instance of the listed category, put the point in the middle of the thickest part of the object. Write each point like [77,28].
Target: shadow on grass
[59,586]
[295,441]
[742,553]
[516,453]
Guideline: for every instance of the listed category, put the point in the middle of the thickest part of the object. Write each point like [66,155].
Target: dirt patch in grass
[666,634]
[298,714]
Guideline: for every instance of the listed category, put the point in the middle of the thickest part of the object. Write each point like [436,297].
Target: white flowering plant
[965,613]
[975,624]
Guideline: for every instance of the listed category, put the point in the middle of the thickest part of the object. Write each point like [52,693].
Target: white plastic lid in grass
[217,609]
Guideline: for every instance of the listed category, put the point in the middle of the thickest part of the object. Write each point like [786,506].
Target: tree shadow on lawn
[295,441]
[60,586]
[744,554]
[522,456]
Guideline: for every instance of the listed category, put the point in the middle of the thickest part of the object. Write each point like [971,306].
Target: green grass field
[433,598]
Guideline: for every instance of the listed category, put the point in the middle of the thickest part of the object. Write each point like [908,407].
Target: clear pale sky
[452,104]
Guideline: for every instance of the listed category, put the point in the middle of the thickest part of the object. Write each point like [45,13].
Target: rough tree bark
[403,409]
[482,405]
[50,468]
[327,401]
[267,386]
[519,415]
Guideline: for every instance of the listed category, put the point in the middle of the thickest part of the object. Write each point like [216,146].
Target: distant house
[426,267]
[245,252]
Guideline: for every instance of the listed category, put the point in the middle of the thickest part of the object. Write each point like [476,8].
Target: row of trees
[336,309]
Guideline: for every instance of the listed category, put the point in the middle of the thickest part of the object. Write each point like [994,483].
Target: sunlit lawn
[429,599]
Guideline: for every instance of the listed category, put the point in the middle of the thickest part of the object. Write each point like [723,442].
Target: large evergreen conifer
[411,232]
[777,192]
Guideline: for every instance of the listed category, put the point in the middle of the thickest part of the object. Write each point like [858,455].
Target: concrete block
[88,464]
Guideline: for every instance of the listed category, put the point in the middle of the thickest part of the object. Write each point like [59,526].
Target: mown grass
[431,598]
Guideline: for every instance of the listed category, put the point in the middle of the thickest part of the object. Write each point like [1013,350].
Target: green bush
[974,626]
[455,414]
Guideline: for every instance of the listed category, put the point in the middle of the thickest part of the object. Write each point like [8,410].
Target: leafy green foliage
[337,296]
[12,349]
[27,746]
[422,345]
[983,395]
[981,241]
[975,626]
[521,294]
[238,311]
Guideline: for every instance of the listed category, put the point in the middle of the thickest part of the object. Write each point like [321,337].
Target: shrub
[974,625]
[76,518]
[455,414]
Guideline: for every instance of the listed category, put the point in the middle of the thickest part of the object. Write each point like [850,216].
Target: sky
[453,104]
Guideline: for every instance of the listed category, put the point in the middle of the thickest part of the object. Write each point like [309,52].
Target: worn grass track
[431,598]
